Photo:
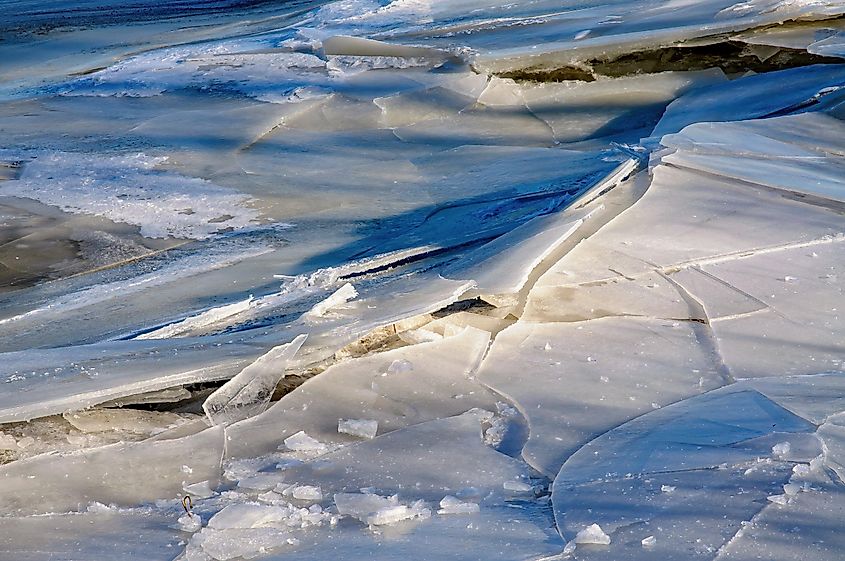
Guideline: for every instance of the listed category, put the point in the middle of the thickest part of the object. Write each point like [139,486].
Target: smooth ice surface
[577,390]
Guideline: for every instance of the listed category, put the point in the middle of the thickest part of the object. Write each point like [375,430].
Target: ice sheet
[578,390]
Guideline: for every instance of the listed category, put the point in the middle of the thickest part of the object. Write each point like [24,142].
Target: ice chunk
[249,393]
[362,428]
[592,534]
[453,505]
[199,321]
[517,486]
[649,541]
[393,514]
[341,296]
[781,449]
[8,442]
[301,442]
[245,515]
[306,493]
[400,365]
[189,522]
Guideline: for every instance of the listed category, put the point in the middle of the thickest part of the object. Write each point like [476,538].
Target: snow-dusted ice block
[249,392]
[431,381]
[425,461]
[574,381]
[123,474]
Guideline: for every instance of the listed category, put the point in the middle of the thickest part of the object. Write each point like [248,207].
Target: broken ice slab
[798,328]
[753,97]
[647,295]
[123,474]
[433,382]
[713,210]
[813,37]
[424,461]
[703,511]
[621,108]
[100,533]
[808,528]
[832,433]
[504,265]
[815,398]
[124,420]
[50,381]
[730,425]
[765,154]
[793,326]
[714,449]
[577,390]
[249,392]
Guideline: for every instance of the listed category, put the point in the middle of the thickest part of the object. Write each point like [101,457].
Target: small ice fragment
[341,296]
[781,449]
[788,278]
[791,489]
[187,470]
[582,34]
[189,523]
[200,490]
[73,439]
[604,379]
[307,493]
[778,499]
[393,514]
[400,365]
[8,442]
[362,428]
[667,488]
[649,541]
[547,347]
[517,486]
[26,442]
[301,442]
[592,534]
[453,505]
[569,548]
[801,470]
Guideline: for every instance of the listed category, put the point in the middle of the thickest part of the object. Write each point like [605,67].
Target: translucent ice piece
[249,392]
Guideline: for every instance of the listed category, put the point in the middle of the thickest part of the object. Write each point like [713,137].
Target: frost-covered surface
[341,280]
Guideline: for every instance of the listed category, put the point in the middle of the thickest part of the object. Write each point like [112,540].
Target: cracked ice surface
[415,297]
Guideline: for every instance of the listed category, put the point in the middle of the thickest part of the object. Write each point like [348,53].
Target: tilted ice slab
[826,38]
[767,153]
[249,392]
[129,189]
[725,454]
[571,390]
[754,97]
[396,388]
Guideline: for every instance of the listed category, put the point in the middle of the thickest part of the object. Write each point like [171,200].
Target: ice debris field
[381,280]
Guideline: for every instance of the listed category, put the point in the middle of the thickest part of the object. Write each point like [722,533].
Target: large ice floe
[420,280]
